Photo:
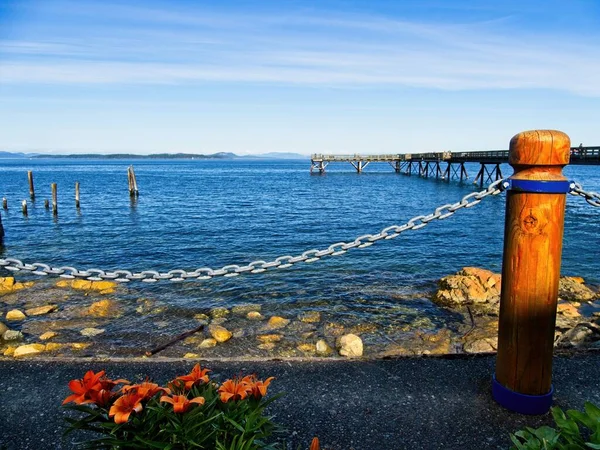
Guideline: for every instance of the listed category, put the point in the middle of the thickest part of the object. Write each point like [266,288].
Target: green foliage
[575,430]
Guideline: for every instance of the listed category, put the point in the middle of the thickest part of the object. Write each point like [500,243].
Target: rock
[350,345]
[568,310]
[486,345]
[221,334]
[571,289]
[48,335]
[80,345]
[277,322]
[84,285]
[28,350]
[191,356]
[219,312]
[333,329]
[41,310]
[310,317]
[364,328]
[3,328]
[91,332]
[219,321]
[52,347]
[15,314]
[10,350]
[243,310]
[201,317]
[103,308]
[208,343]
[6,284]
[267,346]
[239,333]
[266,338]
[486,277]
[582,334]
[255,315]
[470,286]
[322,348]
[104,287]
[307,348]
[12,335]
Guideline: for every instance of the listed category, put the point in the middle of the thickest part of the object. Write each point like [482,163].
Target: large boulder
[572,289]
[470,286]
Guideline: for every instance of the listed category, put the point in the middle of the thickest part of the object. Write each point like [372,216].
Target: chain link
[593,198]
[282,262]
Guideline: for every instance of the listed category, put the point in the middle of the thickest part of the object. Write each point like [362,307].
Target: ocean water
[210,213]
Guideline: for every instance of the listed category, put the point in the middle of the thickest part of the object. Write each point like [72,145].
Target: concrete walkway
[424,403]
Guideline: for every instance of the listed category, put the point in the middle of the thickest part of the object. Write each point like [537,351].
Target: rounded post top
[540,148]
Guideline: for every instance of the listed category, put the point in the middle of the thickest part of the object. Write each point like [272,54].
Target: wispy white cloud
[160,46]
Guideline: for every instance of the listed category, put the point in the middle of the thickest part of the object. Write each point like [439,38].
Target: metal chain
[593,198]
[232,270]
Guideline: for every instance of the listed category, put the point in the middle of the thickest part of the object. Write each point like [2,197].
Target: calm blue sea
[198,213]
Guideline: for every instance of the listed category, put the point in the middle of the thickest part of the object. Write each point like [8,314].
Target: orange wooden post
[533,233]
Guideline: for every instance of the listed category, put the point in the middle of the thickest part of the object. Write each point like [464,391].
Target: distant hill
[16,155]
[219,155]
[282,155]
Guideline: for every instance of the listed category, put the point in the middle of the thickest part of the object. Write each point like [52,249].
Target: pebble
[208,343]
[307,348]
[267,346]
[12,335]
[310,317]
[322,348]
[269,338]
[15,314]
[3,328]
[243,310]
[201,316]
[255,315]
[350,345]
[90,332]
[217,313]
[221,334]
[191,356]
[52,347]
[277,322]
[80,345]
[29,349]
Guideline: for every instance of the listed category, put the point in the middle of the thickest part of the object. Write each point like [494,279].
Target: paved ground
[425,403]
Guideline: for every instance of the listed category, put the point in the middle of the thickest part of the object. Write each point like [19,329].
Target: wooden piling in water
[24,207]
[77,194]
[133,189]
[4,204]
[31,189]
[46,204]
[533,233]
[54,199]
[1,230]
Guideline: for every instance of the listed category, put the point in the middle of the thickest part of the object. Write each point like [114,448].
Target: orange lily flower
[314,445]
[180,402]
[234,389]
[146,389]
[82,388]
[258,387]
[109,385]
[125,405]
[102,397]
[196,376]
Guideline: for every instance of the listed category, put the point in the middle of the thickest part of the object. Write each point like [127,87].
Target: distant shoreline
[186,156]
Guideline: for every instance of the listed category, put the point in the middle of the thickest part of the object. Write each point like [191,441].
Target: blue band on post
[539,186]
[521,403]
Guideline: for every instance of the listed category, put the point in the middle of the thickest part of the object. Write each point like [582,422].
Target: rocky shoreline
[85,318]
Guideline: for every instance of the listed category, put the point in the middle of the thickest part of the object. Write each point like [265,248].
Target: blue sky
[311,76]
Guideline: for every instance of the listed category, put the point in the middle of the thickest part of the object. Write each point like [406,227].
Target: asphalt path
[412,403]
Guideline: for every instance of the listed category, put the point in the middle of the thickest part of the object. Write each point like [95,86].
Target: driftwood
[174,341]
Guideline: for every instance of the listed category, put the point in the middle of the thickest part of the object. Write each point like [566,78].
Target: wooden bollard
[1,229]
[31,189]
[54,199]
[533,233]
[46,204]
[24,207]
[77,194]
[133,189]
[4,204]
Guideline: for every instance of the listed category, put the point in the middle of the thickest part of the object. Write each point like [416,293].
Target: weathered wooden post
[77,194]
[1,230]
[24,207]
[54,199]
[46,204]
[133,189]
[533,233]
[4,204]
[31,189]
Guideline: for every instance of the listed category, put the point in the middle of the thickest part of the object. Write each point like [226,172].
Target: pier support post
[24,207]
[4,204]
[31,189]
[133,189]
[77,194]
[54,199]
[535,207]
[1,230]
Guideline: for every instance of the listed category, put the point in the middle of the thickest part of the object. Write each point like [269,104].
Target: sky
[329,76]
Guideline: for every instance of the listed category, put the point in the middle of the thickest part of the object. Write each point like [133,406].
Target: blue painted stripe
[538,186]
[521,403]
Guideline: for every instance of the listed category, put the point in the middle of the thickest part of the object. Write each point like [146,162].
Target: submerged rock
[219,312]
[12,335]
[243,310]
[3,328]
[310,317]
[8,285]
[91,332]
[267,346]
[221,334]
[41,310]
[48,335]
[322,348]
[103,308]
[255,315]
[307,348]
[28,350]
[470,286]
[267,338]
[277,322]
[350,345]
[573,289]
[208,343]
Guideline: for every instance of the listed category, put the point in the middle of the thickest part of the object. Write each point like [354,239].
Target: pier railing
[535,207]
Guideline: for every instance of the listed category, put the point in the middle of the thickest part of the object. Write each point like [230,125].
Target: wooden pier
[445,165]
